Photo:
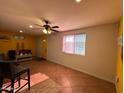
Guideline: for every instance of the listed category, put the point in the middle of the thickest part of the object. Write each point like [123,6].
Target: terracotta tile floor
[47,77]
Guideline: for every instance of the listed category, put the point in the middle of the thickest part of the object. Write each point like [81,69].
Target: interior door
[44,49]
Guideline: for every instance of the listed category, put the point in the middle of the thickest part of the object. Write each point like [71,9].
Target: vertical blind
[74,44]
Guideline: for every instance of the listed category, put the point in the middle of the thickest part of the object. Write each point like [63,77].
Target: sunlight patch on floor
[34,79]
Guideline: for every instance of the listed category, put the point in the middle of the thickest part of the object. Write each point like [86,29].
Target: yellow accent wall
[119,62]
[28,41]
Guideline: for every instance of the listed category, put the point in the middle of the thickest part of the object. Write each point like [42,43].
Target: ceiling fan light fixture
[49,32]
[44,31]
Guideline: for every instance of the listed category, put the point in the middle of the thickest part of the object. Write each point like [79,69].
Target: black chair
[10,70]
[12,54]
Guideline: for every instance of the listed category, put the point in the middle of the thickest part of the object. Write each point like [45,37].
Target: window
[74,44]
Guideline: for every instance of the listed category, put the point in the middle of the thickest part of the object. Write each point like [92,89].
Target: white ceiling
[17,15]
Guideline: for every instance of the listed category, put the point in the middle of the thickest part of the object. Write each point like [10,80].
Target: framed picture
[4,38]
[19,37]
[120,43]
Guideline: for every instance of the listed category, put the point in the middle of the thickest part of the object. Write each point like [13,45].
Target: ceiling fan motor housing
[46,26]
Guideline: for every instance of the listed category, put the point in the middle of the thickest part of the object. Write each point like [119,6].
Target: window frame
[73,53]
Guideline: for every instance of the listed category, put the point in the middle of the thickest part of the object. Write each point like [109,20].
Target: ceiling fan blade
[38,25]
[45,20]
[54,30]
[33,29]
[42,19]
[36,28]
[55,26]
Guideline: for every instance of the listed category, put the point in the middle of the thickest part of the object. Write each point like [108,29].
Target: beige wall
[100,58]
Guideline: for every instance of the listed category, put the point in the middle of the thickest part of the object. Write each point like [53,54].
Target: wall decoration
[120,40]
[4,38]
[120,43]
[122,53]
[19,37]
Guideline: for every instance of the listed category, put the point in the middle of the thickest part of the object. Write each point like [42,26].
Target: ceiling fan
[47,28]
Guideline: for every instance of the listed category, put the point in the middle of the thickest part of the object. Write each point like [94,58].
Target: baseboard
[82,71]
[40,58]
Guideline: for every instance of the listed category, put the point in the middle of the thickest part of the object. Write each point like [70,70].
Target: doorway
[44,49]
